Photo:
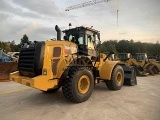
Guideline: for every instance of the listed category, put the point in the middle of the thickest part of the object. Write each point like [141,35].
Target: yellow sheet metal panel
[15,77]
[105,70]
[58,55]
[47,63]
[40,82]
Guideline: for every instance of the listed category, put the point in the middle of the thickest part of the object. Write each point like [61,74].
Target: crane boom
[85,4]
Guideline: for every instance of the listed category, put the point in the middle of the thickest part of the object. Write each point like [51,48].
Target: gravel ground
[140,102]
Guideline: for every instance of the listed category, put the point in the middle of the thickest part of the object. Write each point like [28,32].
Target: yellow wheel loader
[73,64]
[152,66]
[143,65]
[158,58]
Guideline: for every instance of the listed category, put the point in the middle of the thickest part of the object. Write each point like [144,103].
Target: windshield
[76,39]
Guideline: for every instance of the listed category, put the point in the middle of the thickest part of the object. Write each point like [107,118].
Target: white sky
[138,19]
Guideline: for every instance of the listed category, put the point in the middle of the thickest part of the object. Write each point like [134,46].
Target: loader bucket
[151,69]
[156,65]
[129,75]
[155,70]
[141,71]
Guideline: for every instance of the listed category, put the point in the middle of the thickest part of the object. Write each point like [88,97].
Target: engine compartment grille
[26,60]
[31,59]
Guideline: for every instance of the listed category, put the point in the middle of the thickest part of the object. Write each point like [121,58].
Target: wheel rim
[119,78]
[83,84]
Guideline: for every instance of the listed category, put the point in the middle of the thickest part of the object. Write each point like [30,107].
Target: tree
[13,42]
[124,46]
[24,39]
[13,46]
[5,46]
[108,46]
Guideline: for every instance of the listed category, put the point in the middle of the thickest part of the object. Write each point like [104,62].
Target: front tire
[79,84]
[117,79]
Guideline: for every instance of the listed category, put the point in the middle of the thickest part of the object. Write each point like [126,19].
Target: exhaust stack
[58,32]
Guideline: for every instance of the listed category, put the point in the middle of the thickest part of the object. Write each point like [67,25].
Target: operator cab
[124,56]
[85,38]
[141,56]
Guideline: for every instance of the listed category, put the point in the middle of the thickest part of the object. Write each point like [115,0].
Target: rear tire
[117,79]
[78,86]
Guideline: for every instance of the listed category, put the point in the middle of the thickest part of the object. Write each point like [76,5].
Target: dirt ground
[140,102]
[5,69]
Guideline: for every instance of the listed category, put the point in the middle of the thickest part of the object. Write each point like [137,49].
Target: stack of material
[5,69]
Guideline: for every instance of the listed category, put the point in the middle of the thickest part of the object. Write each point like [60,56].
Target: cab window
[89,39]
[81,40]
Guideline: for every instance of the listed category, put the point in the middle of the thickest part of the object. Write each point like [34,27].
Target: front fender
[105,70]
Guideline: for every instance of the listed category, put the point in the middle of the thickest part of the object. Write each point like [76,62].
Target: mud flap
[129,75]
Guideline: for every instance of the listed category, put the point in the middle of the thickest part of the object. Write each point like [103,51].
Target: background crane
[89,3]
[85,4]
